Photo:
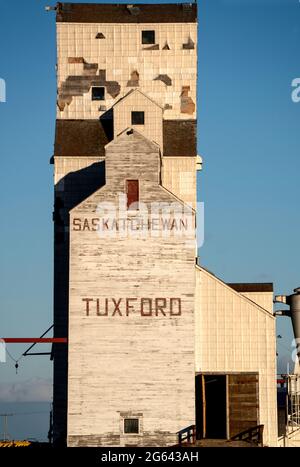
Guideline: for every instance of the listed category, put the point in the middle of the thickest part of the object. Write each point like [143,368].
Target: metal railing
[252,435]
[187,435]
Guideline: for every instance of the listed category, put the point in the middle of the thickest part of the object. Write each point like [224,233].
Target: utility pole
[50,432]
[5,434]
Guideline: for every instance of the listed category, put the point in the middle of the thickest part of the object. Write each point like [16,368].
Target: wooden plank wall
[243,402]
[129,365]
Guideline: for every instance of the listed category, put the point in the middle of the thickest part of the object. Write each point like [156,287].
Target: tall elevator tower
[124,282]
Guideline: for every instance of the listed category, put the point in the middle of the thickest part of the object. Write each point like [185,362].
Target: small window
[137,118]
[132,192]
[131,425]
[148,37]
[98,94]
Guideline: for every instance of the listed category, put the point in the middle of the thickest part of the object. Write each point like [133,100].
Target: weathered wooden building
[147,327]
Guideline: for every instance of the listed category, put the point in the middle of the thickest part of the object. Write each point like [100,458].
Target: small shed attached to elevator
[235,359]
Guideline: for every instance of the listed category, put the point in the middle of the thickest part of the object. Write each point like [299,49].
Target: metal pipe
[294,313]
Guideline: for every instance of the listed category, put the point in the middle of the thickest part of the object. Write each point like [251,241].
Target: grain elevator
[156,343]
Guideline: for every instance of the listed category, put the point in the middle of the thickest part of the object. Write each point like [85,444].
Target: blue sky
[248,137]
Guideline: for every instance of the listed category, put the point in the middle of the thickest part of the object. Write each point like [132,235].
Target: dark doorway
[211,411]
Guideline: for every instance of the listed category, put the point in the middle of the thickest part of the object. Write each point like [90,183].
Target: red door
[132,190]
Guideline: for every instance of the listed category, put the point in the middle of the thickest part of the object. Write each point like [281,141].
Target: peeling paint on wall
[168,45]
[62,101]
[165,79]
[152,47]
[189,45]
[78,85]
[88,68]
[75,60]
[102,74]
[187,103]
[113,88]
[134,80]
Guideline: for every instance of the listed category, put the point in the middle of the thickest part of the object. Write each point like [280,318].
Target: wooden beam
[204,406]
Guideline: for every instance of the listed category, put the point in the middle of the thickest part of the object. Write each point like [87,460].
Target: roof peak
[131,132]
[137,90]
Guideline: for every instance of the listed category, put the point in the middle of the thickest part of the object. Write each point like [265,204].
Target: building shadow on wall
[70,191]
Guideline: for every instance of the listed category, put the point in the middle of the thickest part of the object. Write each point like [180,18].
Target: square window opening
[148,37]
[137,118]
[98,93]
[131,426]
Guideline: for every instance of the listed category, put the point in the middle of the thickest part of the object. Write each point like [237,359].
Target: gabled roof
[135,135]
[134,91]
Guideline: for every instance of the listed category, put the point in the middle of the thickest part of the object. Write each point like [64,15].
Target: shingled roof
[87,138]
[180,138]
[81,138]
[140,13]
